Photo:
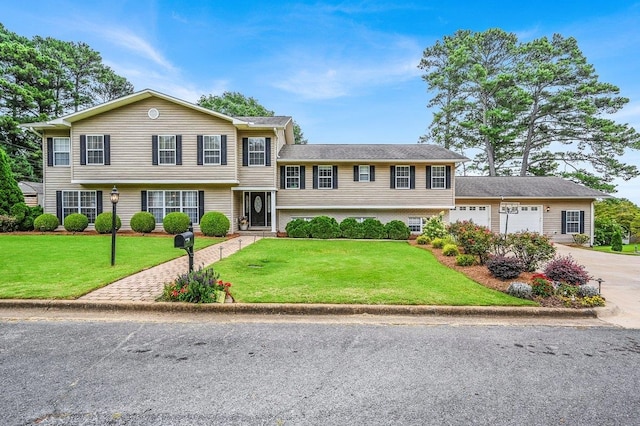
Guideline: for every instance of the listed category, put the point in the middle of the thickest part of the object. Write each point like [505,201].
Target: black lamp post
[115,197]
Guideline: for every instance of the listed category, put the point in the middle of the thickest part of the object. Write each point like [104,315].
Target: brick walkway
[147,285]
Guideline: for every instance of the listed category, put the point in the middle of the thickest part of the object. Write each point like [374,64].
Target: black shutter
[302,177]
[412,177]
[107,150]
[372,173]
[582,221]
[315,177]
[143,201]
[447,176]
[245,152]
[267,152]
[59,206]
[200,150]
[50,152]
[200,205]
[178,150]
[564,222]
[356,173]
[282,177]
[393,177]
[98,202]
[428,177]
[154,150]
[83,150]
[223,150]
[335,177]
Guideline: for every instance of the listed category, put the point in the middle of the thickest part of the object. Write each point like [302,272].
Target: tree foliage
[10,193]
[235,104]
[534,108]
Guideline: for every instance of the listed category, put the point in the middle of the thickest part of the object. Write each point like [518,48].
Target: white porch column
[273,211]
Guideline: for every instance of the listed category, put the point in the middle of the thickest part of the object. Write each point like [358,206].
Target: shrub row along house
[167,155]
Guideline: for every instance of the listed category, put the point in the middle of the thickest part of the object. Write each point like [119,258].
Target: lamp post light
[115,197]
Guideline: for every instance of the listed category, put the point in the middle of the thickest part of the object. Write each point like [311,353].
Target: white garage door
[528,218]
[480,215]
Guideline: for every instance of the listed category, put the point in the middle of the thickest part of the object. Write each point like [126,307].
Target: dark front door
[258,209]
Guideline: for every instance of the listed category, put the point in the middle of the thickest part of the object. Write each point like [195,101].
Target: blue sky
[346,71]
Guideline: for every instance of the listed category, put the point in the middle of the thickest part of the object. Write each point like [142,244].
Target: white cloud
[125,38]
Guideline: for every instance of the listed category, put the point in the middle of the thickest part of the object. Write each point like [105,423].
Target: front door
[258,209]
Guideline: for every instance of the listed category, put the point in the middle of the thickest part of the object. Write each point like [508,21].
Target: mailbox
[183,241]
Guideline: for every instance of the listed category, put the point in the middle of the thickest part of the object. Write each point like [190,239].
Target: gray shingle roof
[522,186]
[278,120]
[369,152]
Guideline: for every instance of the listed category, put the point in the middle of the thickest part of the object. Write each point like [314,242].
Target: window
[403,180]
[364,173]
[79,202]
[438,180]
[211,146]
[573,221]
[325,177]
[161,203]
[305,218]
[292,177]
[167,150]
[256,151]
[61,148]
[415,224]
[95,149]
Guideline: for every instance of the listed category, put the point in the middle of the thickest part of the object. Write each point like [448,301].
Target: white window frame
[95,148]
[305,218]
[364,173]
[167,155]
[59,157]
[403,174]
[84,202]
[325,177]
[212,149]
[292,177]
[438,177]
[572,222]
[415,224]
[257,151]
[162,202]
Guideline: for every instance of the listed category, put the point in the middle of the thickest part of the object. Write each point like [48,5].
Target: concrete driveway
[621,285]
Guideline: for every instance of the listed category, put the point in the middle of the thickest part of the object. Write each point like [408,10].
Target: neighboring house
[165,155]
[32,192]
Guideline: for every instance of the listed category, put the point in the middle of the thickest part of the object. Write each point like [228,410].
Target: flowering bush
[541,285]
[531,248]
[198,286]
[474,239]
[565,269]
[434,227]
[592,301]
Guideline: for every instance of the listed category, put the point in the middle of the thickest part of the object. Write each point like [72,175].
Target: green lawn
[54,266]
[626,249]
[312,271]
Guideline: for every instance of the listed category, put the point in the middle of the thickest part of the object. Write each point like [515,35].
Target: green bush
[198,286]
[504,268]
[176,223]
[214,224]
[581,239]
[324,227]
[397,230]
[373,229]
[143,222]
[104,221]
[351,228]
[616,241]
[604,228]
[437,243]
[298,228]
[474,239]
[465,260]
[531,248]
[423,240]
[22,213]
[450,250]
[435,227]
[76,222]
[8,223]
[541,285]
[46,222]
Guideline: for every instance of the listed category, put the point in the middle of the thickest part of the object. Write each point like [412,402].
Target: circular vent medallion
[153,113]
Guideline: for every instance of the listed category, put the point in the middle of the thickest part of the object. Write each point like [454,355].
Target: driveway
[620,286]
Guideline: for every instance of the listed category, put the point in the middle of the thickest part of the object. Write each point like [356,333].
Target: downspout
[593,221]
[274,215]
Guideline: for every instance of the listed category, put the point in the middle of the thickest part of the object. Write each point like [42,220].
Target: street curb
[302,309]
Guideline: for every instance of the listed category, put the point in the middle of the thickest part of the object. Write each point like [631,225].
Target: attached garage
[528,218]
[480,215]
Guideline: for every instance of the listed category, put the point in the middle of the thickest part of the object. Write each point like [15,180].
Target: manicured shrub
[373,229]
[437,243]
[22,213]
[298,228]
[176,223]
[565,269]
[76,222]
[214,224]
[324,227]
[351,228]
[531,248]
[397,230]
[8,223]
[541,286]
[423,240]
[104,221]
[434,227]
[587,291]
[450,250]
[475,239]
[143,222]
[521,290]
[504,268]
[465,260]
[46,222]
[581,239]
[616,241]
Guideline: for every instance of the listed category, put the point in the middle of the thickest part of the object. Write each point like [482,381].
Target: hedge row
[324,227]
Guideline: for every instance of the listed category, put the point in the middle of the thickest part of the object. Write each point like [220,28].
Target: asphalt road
[282,373]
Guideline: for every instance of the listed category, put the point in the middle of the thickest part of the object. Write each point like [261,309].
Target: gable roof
[522,187]
[273,121]
[368,152]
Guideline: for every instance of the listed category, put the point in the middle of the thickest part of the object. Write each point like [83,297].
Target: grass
[363,272]
[54,266]
[626,249]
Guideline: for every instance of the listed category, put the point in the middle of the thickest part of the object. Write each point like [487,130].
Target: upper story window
[61,149]
[211,147]
[256,151]
[292,177]
[325,177]
[364,173]
[95,149]
[403,177]
[166,149]
[438,177]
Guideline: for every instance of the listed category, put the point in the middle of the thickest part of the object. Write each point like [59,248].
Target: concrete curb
[305,309]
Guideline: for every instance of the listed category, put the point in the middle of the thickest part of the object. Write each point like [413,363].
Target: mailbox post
[185,241]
